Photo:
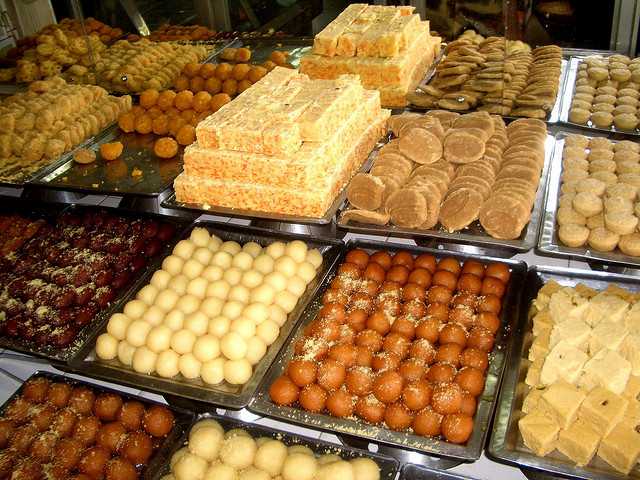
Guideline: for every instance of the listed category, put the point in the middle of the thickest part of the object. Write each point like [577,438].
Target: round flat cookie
[460,209]
[421,146]
[462,147]
[365,191]
[407,208]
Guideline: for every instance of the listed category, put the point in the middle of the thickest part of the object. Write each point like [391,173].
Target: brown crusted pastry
[460,209]
[460,146]
[365,191]
[366,216]
[407,208]
[421,146]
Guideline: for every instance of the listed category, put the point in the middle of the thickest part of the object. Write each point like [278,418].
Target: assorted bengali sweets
[212,310]
[401,341]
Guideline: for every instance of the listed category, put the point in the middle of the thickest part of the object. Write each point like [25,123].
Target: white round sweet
[211,306]
[144,360]
[287,301]
[172,265]
[276,250]
[235,432]
[240,294]
[299,466]
[137,333]
[333,470]
[214,243]
[301,449]
[207,422]
[297,250]
[256,312]
[154,315]
[263,294]
[200,237]
[277,314]
[219,289]
[167,364]
[253,473]
[237,372]
[188,304]
[189,366]
[192,268]
[197,322]
[222,259]
[147,294]
[212,273]
[220,471]
[296,286]
[117,326]
[134,309]
[286,265]
[159,339]
[328,458]
[203,255]
[231,247]
[107,347]
[198,287]
[166,300]
[270,457]
[238,451]
[268,331]
[232,275]
[232,309]
[314,257]
[212,372]
[262,440]
[233,346]
[256,349]
[306,271]
[251,279]
[190,467]
[184,249]
[179,284]
[182,341]
[178,455]
[174,320]
[243,261]
[125,352]
[252,248]
[219,326]
[245,327]
[206,348]
[263,263]
[277,280]
[365,469]
[160,279]
[206,442]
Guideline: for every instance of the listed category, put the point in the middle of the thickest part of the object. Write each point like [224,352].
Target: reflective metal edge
[262,405]
[224,395]
[548,242]
[505,444]
[526,242]
[418,472]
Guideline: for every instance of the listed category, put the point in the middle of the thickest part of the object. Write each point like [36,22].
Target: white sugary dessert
[213,309]
[211,453]
[287,145]
[387,46]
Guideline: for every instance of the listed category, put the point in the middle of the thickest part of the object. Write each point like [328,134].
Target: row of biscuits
[452,169]
[583,377]
[597,206]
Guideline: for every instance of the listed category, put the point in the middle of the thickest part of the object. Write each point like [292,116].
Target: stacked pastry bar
[389,47]
[287,145]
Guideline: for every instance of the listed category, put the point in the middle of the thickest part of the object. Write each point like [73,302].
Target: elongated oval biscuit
[407,208]
[421,146]
[460,209]
[365,216]
[365,192]
[462,147]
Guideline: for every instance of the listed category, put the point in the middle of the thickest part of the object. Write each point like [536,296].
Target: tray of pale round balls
[592,207]
[219,448]
[210,320]
[59,428]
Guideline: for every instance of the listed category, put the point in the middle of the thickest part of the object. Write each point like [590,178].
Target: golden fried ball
[165,147]
[111,151]
[196,84]
[161,125]
[127,122]
[242,55]
[223,71]
[154,112]
[188,115]
[186,135]
[182,83]
[184,100]
[207,70]
[256,73]
[218,100]
[144,124]
[165,99]
[230,87]
[213,85]
[149,98]
[278,57]
[240,71]
[269,65]
[191,69]
[201,101]
[243,85]
[175,124]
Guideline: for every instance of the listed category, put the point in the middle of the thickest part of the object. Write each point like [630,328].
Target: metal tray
[505,444]
[261,48]
[84,340]
[183,418]
[417,472]
[262,405]
[548,241]
[388,466]
[567,98]
[225,395]
[474,234]
[116,177]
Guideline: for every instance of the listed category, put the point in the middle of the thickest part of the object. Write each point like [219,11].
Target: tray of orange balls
[59,428]
[142,154]
[402,347]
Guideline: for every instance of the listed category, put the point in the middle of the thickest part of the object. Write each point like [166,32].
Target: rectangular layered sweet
[310,202]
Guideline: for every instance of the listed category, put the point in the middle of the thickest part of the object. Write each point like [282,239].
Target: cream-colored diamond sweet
[564,361]
[542,323]
[607,335]
[533,373]
[574,331]
[579,442]
[606,306]
[630,349]
[540,346]
[610,369]
[539,432]
[532,400]
[563,400]
[621,447]
[603,409]
[633,388]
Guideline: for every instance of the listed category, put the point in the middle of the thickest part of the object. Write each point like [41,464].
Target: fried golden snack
[165,147]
